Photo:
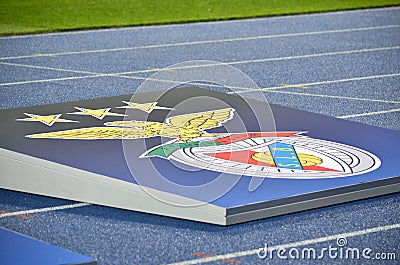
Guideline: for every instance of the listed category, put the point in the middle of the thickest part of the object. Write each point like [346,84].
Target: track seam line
[290,245]
[368,113]
[177,44]
[47,209]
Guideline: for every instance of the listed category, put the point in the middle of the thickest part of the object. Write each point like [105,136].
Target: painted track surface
[342,64]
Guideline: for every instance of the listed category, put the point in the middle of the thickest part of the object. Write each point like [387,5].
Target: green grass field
[31,16]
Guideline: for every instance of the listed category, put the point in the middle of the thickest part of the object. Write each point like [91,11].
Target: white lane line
[49,68]
[290,245]
[50,80]
[316,55]
[205,42]
[329,96]
[324,82]
[235,20]
[217,63]
[244,90]
[123,74]
[305,56]
[273,89]
[268,89]
[48,209]
[87,74]
[368,114]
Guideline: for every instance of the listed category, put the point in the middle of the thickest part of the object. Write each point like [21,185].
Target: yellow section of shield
[264,157]
[305,159]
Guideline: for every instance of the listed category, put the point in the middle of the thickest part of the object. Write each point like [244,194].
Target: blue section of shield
[17,249]
[284,156]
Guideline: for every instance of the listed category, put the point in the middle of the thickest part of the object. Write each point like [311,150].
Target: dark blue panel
[17,249]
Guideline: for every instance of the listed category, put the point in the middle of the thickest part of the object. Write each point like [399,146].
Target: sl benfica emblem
[259,154]
[271,154]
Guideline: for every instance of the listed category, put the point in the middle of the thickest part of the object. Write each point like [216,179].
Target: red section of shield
[240,156]
[243,136]
[318,168]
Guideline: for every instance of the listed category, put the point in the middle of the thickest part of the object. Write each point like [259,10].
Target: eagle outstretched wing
[185,127]
[95,133]
[202,120]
